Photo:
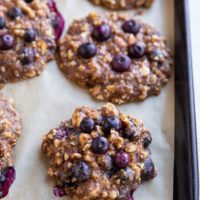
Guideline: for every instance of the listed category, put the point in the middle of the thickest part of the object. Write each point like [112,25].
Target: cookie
[99,155]
[10,130]
[123,4]
[28,29]
[116,57]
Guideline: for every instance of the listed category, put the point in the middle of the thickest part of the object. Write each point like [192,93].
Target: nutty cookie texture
[123,4]
[28,29]
[99,154]
[116,57]
[10,130]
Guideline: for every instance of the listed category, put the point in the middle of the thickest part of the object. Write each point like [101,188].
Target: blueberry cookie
[28,29]
[99,155]
[10,130]
[123,4]
[116,57]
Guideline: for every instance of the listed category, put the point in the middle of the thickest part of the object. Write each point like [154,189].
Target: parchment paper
[46,100]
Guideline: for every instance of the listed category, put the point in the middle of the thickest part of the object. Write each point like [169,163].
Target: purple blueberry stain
[101,33]
[121,63]
[8,176]
[28,56]
[121,159]
[58,21]
[61,133]
[59,191]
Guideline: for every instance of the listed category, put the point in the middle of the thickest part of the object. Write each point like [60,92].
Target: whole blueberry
[15,12]
[136,50]
[100,145]
[87,125]
[131,26]
[30,35]
[28,56]
[80,172]
[28,1]
[6,42]
[87,50]
[2,23]
[121,159]
[146,141]
[148,171]
[101,32]
[111,122]
[121,63]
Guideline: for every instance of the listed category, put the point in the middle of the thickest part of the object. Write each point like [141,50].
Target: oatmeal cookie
[28,29]
[123,4]
[99,155]
[10,130]
[116,57]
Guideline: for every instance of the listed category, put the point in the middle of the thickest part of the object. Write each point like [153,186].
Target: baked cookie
[27,37]
[116,57]
[99,155]
[123,4]
[10,130]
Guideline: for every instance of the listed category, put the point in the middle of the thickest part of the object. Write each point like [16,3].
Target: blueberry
[136,50]
[146,141]
[15,12]
[129,133]
[10,175]
[131,26]
[87,125]
[61,133]
[6,42]
[2,179]
[121,63]
[148,171]
[80,172]
[105,162]
[30,35]
[101,33]
[100,145]
[121,159]
[28,1]
[111,122]
[87,50]
[59,191]
[2,23]
[28,56]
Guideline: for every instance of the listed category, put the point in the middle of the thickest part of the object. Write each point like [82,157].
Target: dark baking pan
[186,180]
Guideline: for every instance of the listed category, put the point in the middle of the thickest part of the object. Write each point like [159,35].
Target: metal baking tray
[186,180]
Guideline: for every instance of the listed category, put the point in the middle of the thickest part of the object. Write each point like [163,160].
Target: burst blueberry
[80,172]
[121,63]
[101,33]
[148,171]
[28,56]
[131,26]
[6,42]
[100,145]
[136,50]
[129,133]
[146,141]
[87,50]
[121,159]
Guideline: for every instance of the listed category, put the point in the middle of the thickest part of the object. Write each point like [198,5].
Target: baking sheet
[46,100]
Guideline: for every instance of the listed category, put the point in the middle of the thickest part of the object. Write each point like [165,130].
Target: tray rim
[186,186]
